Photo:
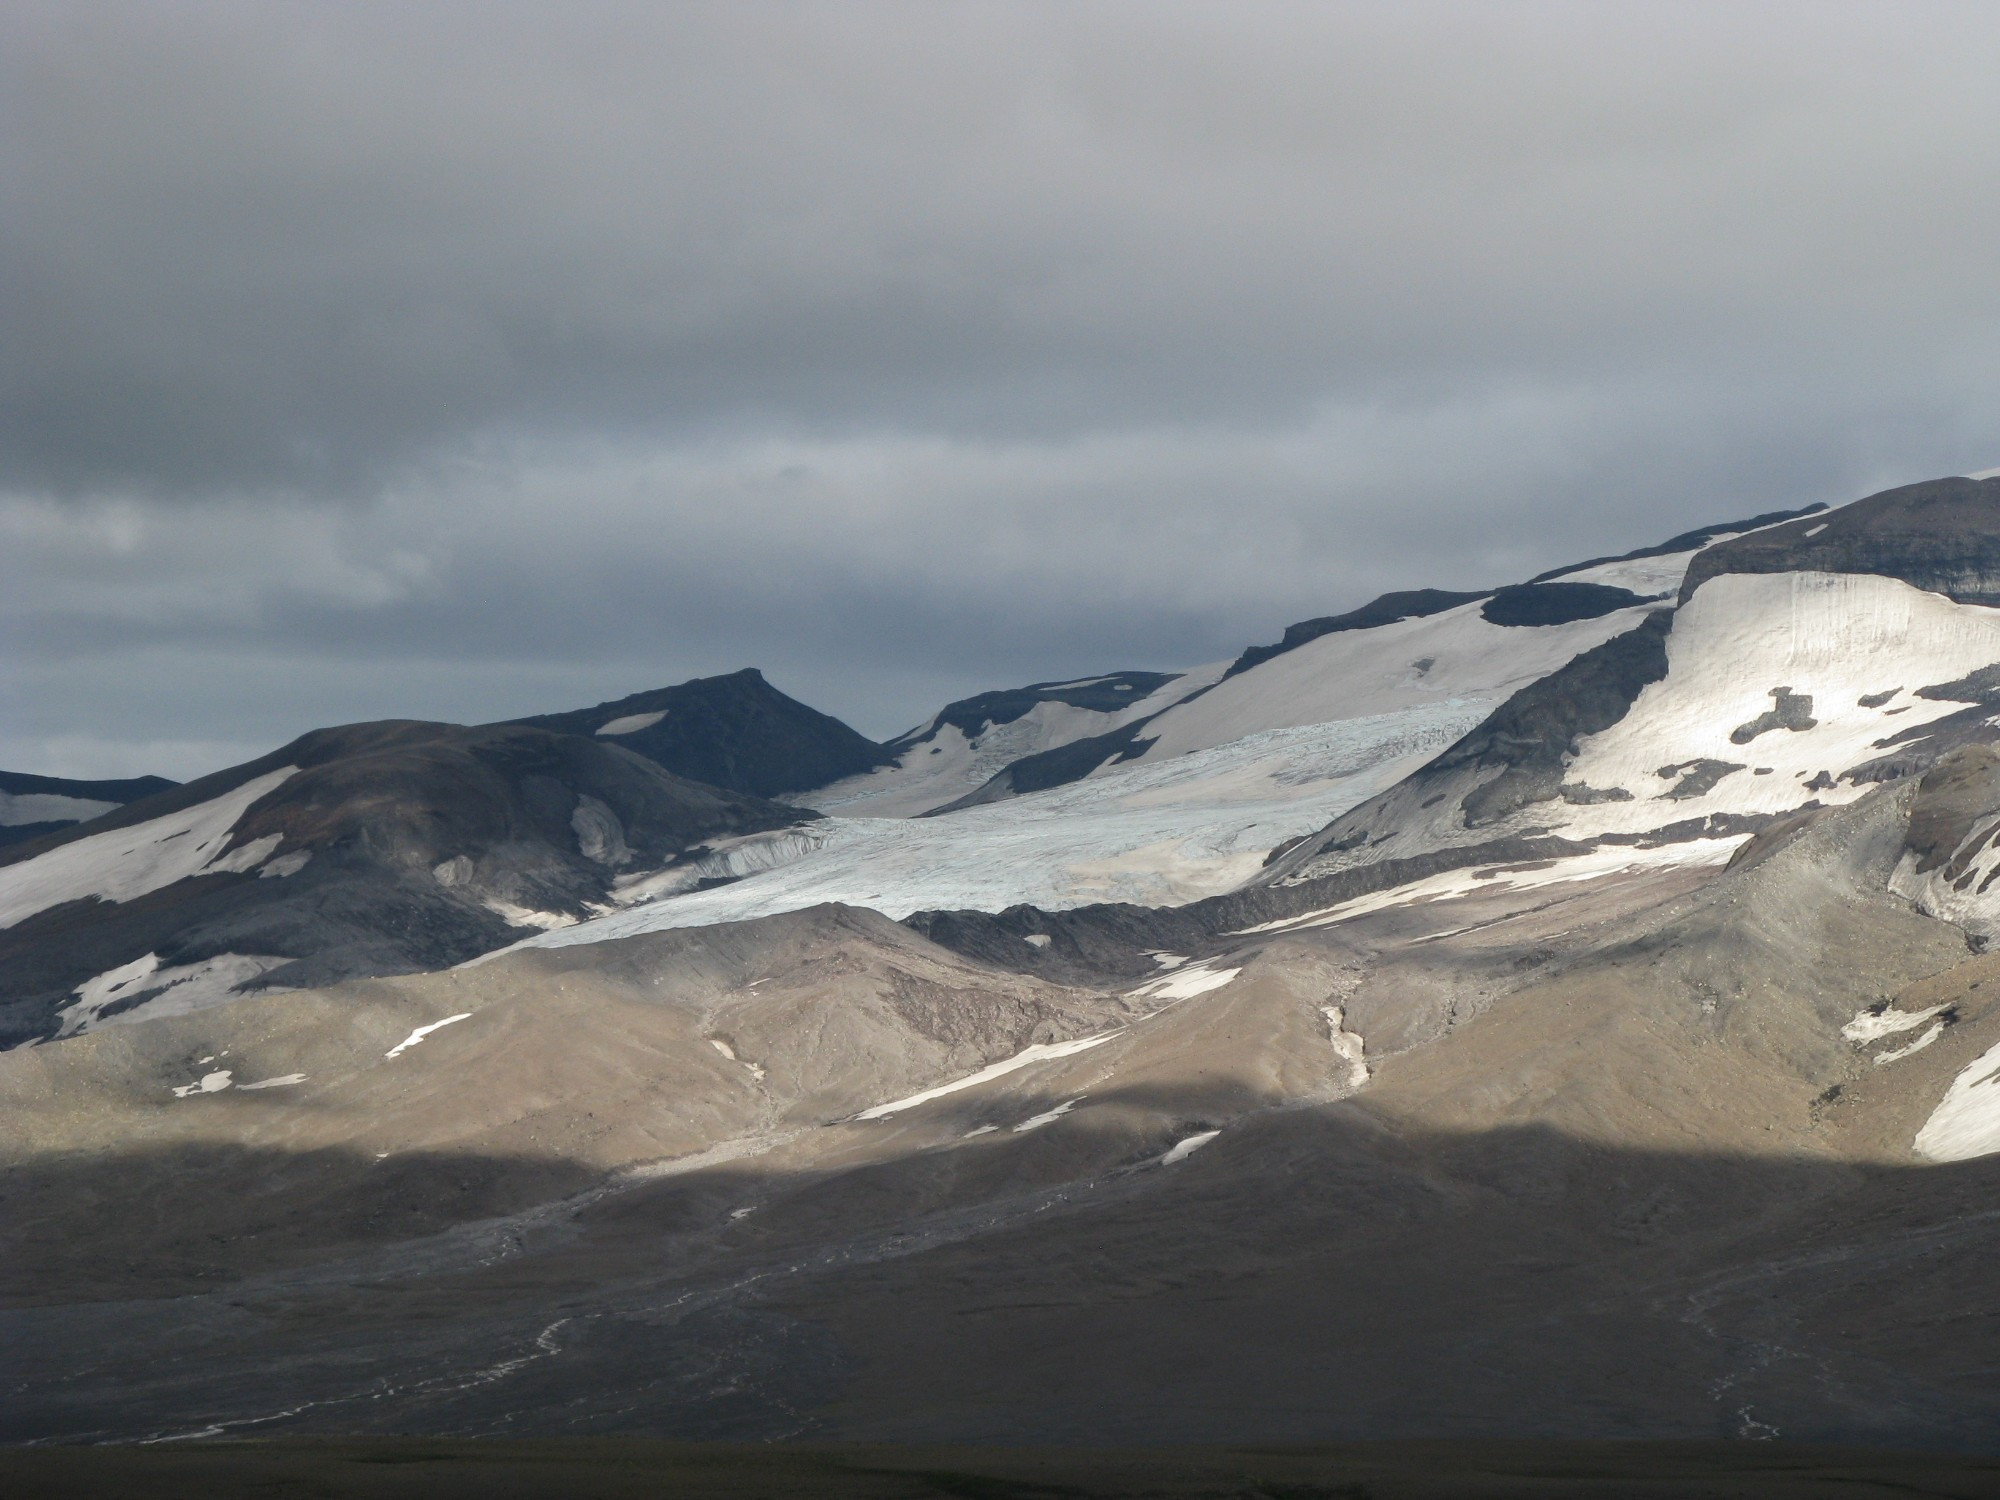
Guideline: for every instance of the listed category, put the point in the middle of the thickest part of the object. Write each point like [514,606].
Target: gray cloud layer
[468,359]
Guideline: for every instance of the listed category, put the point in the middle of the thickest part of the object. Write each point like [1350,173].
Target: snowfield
[1645,576]
[1389,669]
[1833,638]
[1335,721]
[126,863]
[1966,1122]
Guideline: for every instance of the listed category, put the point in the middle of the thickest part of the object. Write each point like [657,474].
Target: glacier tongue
[1161,834]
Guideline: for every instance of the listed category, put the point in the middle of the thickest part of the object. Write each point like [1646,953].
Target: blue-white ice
[1156,833]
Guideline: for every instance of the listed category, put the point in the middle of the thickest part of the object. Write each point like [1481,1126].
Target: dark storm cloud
[470,359]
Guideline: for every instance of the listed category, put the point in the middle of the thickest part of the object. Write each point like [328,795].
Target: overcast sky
[469,360]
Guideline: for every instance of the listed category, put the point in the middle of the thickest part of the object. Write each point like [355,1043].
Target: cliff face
[1942,535]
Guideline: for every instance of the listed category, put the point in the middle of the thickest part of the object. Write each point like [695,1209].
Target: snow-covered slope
[1787,685]
[1780,691]
[1215,769]
[1389,669]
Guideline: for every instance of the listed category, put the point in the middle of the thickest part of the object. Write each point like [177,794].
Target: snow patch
[1037,940]
[1048,1117]
[1833,638]
[631,723]
[1936,1031]
[1040,1052]
[283,1081]
[1184,1149]
[729,1052]
[285,864]
[600,837]
[1966,1122]
[1960,889]
[176,991]
[208,1083]
[524,916]
[1872,1025]
[123,864]
[423,1031]
[1645,576]
[1347,1045]
[1185,984]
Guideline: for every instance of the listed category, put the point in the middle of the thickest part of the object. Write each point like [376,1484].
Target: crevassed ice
[1156,834]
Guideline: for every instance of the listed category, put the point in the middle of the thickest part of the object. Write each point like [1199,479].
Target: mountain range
[1550,1010]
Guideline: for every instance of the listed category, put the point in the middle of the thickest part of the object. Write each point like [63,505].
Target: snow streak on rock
[423,1031]
[1042,1052]
[1184,1149]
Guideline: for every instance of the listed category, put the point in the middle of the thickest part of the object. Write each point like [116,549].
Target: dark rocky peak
[1942,535]
[1687,541]
[21,784]
[410,794]
[734,731]
[1106,694]
[1555,603]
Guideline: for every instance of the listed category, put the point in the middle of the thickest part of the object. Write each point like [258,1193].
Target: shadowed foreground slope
[617,1468]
